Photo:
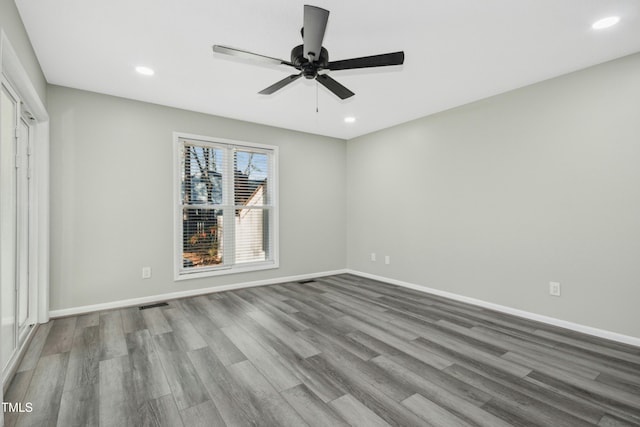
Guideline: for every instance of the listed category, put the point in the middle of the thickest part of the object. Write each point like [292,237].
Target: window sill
[223,271]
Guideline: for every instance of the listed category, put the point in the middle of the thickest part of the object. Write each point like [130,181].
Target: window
[226,209]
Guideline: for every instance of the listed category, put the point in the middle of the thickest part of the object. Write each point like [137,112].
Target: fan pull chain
[316,96]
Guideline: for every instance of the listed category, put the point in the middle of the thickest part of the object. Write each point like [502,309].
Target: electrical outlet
[387,259]
[146,272]
[373,257]
[554,289]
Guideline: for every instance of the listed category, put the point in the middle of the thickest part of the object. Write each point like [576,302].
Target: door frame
[29,237]
[13,72]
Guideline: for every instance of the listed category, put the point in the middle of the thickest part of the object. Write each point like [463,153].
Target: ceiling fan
[310,57]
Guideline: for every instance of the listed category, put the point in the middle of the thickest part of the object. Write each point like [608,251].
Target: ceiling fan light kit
[310,57]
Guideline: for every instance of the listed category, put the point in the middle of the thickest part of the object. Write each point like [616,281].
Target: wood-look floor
[339,351]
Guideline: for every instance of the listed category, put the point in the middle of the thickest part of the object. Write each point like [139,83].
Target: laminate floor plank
[84,358]
[287,336]
[313,410]
[311,317]
[112,342]
[298,366]
[365,389]
[208,329]
[462,354]
[584,363]
[270,342]
[619,382]
[87,320]
[271,313]
[147,375]
[118,406]
[15,394]
[339,350]
[358,371]
[571,404]
[272,299]
[183,330]
[379,321]
[348,288]
[273,369]
[32,355]
[45,391]
[185,384]
[162,412]
[431,413]
[546,366]
[607,352]
[611,421]
[354,302]
[437,377]
[417,311]
[405,346]
[79,407]
[202,415]
[509,399]
[533,353]
[132,320]
[233,403]
[60,336]
[356,413]
[215,309]
[155,321]
[597,393]
[459,407]
[274,409]
[338,335]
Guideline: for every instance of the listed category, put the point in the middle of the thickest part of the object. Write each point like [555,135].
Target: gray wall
[111,197]
[11,24]
[495,199]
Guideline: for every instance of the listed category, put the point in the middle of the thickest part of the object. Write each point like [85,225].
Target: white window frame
[180,273]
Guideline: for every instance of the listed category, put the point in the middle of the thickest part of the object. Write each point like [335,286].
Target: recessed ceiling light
[607,22]
[145,71]
[349,119]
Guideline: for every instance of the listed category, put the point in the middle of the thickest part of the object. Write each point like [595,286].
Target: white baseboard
[184,294]
[614,336]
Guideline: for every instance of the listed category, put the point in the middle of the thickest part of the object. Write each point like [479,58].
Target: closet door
[8,220]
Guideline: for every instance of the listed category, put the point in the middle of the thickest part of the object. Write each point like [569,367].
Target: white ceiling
[457,51]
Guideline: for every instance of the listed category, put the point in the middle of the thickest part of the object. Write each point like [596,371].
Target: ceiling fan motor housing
[309,68]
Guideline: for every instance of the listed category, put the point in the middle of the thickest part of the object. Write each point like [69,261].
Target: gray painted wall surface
[111,197]
[11,24]
[495,199]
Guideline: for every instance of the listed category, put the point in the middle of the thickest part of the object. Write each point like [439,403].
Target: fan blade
[335,87]
[279,85]
[315,22]
[249,55]
[396,58]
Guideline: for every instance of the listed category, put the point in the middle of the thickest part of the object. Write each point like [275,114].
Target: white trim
[221,271]
[12,69]
[601,333]
[184,294]
[41,224]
